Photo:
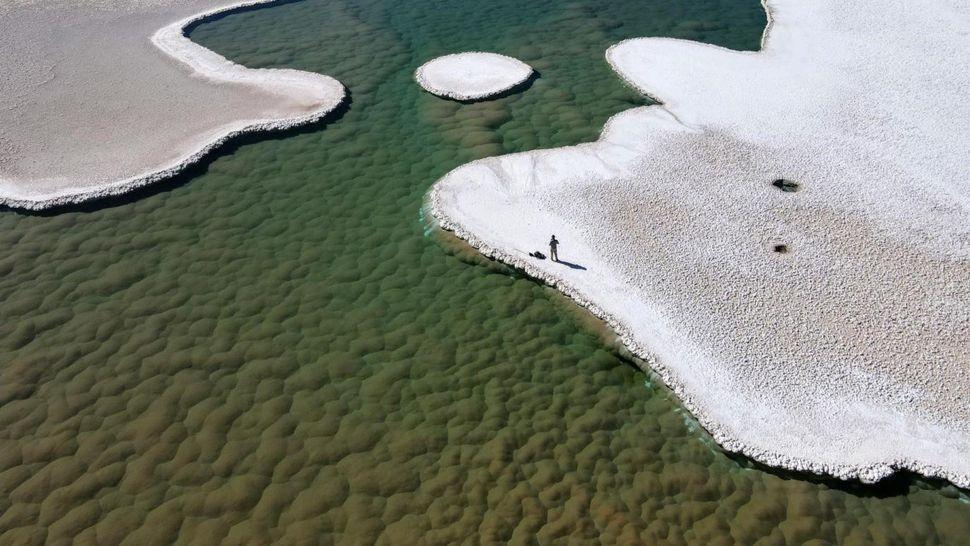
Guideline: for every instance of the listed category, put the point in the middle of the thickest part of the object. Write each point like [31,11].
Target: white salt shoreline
[473,75]
[812,360]
[309,96]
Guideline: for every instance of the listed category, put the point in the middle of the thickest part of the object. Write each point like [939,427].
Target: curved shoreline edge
[870,472]
[172,41]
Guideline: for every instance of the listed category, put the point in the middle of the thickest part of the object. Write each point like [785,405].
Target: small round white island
[471,76]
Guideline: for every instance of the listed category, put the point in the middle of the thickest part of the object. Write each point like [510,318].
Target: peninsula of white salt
[98,97]
[825,329]
[472,76]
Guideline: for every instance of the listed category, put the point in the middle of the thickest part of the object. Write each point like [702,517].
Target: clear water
[273,348]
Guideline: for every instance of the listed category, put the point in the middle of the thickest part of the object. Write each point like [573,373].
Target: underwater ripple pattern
[274,348]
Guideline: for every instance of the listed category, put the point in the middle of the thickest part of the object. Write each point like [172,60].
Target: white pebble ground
[103,96]
[847,355]
[471,76]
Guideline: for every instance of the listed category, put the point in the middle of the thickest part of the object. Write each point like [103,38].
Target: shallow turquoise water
[275,348]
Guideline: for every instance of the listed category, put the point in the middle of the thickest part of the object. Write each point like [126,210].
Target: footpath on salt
[103,96]
[473,75]
[825,329]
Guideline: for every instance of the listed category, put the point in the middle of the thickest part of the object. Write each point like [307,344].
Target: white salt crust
[847,356]
[471,75]
[308,98]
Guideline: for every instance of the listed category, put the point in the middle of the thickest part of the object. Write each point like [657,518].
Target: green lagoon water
[278,348]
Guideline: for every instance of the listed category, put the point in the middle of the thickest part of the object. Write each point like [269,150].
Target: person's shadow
[571,265]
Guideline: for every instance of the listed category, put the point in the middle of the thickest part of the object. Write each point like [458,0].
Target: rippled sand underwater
[277,347]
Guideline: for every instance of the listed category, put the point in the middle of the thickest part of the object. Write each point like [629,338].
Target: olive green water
[279,349]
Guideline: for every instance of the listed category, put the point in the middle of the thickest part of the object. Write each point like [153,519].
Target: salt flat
[471,75]
[99,97]
[825,329]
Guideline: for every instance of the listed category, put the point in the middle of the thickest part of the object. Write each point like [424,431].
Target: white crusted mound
[848,355]
[92,107]
[471,76]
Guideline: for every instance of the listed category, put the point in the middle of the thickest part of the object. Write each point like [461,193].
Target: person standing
[554,249]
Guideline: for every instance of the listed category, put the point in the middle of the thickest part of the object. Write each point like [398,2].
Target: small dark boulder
[785,185]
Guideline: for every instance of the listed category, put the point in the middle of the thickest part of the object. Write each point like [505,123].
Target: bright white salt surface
[81,115]
[471,76]
[848,355]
